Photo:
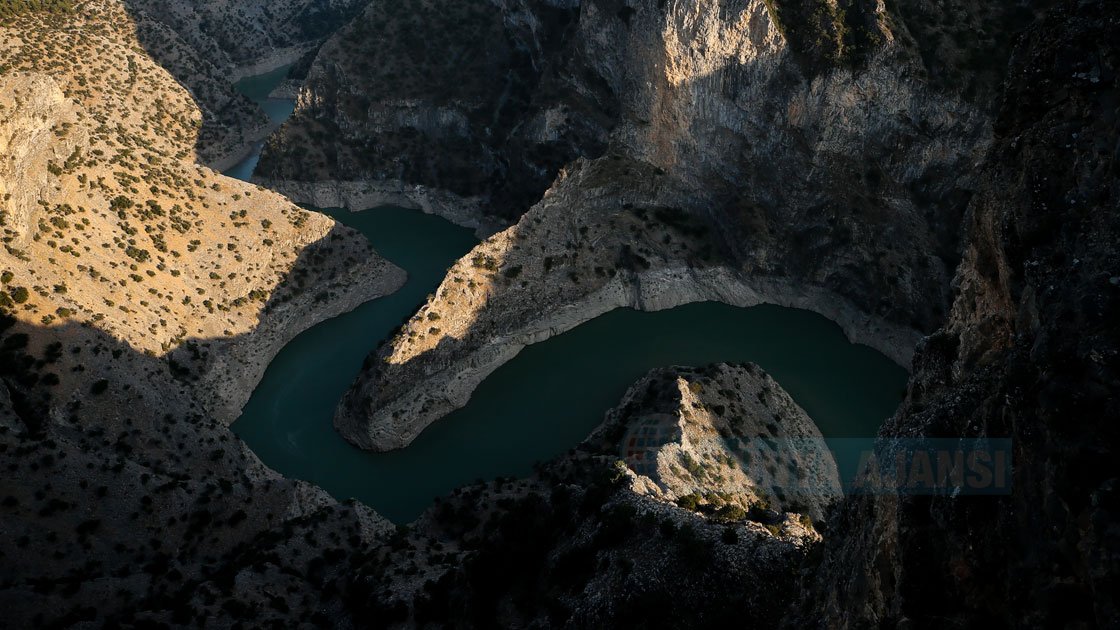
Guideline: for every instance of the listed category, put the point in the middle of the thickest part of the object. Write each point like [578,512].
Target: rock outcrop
[588,541]
[721,440]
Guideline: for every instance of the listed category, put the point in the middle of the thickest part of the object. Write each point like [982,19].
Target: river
[545,400]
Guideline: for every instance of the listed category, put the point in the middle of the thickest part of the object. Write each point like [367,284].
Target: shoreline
[239,365]
[243,150]
[364,195]
[398,423]
[273,60]
[254,138]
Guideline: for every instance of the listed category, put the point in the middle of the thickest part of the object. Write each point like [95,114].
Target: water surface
[257,88]
[544,401]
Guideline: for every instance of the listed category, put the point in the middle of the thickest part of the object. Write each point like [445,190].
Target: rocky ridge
[722,440]
[578,254]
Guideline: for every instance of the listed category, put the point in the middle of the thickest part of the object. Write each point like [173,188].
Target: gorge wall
[1031,352]
[207,46]
[749,144]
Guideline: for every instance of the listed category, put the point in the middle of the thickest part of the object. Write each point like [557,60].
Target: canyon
[855,215]
[938,181]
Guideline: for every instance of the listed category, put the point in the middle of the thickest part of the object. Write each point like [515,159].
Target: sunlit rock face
[114,227]
[722,440]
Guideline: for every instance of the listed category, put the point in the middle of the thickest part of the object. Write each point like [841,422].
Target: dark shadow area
[1033,355]
[506,119]
[205,45]
[122,497]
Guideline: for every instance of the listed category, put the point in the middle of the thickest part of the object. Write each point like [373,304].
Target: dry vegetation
[139,292]
[104,219]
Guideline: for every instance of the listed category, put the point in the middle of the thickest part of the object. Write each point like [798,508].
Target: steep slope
[107,222]
[251,37]
[723,439]
[207,46]
[1031,352]
[142,297]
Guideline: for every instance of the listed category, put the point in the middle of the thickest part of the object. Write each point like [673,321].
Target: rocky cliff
[1031,352]
[207,46]
[251,37]
[1027,351]
[484,113]
[721,440]
[821,155]
[740,168]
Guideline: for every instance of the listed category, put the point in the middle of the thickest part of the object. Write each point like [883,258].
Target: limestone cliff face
[735,172]
[1031,352]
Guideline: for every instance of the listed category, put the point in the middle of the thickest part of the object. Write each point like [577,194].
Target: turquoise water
[544,401]
[257,88]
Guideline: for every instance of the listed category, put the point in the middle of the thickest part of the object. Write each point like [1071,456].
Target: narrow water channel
[544,401]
